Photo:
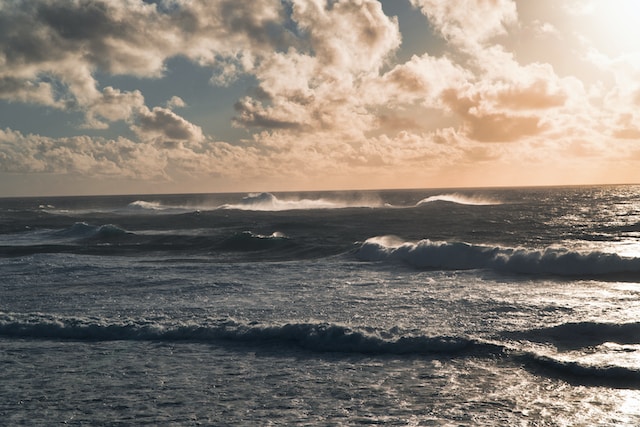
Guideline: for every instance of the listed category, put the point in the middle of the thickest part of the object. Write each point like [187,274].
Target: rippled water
[421,307]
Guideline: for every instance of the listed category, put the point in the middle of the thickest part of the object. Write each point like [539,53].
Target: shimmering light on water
[140,310]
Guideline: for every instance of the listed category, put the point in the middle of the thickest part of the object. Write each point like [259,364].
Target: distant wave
[82,230]
[269,202]
[464,256]
[144,207]
[248,241]
[459,199]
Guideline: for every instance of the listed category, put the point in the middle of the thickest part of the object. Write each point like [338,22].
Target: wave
[82,230]
[570,336]
[317,337]
[269,202]
[428,254]
[312,337]
[248,241]
[459,199]
[579,373]
[144,207]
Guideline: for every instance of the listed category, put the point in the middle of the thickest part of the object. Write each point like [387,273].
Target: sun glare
[614,25]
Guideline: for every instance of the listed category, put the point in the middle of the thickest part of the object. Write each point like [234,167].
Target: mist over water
[459,198]
[426,307]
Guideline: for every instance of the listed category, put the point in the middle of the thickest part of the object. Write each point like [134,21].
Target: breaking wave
[269,202]
[428,254]
[318,337]
[144,207]
[459,199]
[313,337]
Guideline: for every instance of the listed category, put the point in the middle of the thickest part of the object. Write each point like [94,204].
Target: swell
[577,373]
[319,338]
[110,239]
[315,337]
[427,254]
[576,335]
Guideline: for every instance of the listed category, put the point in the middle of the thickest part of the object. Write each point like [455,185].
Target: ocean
[493,307]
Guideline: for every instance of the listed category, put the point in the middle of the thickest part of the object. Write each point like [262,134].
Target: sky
[190,96]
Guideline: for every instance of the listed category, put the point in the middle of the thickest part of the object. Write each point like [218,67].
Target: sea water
[413,307]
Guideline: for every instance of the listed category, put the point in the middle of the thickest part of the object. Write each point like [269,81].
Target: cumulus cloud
[77,155]
[112,105]
[327,92]
[121,157]
[469,22]
[163,125]
[67,41]
[319,86]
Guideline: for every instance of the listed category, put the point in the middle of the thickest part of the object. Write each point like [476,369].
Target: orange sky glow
[171,96]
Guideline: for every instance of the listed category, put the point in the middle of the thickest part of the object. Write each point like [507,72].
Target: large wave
[269,202]
[429,254]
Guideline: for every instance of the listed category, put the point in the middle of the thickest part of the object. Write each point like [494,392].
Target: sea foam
[459,199]
[434,255]
[270,202]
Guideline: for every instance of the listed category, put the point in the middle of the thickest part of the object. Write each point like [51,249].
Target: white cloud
[469,22]
[329,96]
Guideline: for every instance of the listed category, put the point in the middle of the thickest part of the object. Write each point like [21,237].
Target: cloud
[469,22]
[121,157]
[420,80]
[354,36]
[66,42]
[77,155]
[324,92]
[163,125]
[113,105]
[176,102]
[320,85]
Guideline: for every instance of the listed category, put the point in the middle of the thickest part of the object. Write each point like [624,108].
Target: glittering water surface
[422,307]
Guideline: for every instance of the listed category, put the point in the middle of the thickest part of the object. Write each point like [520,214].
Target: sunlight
[628,248]
[630,404]
[615,25]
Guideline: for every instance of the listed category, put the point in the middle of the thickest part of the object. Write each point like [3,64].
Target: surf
[270,202]
[444,255]
[459,199]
